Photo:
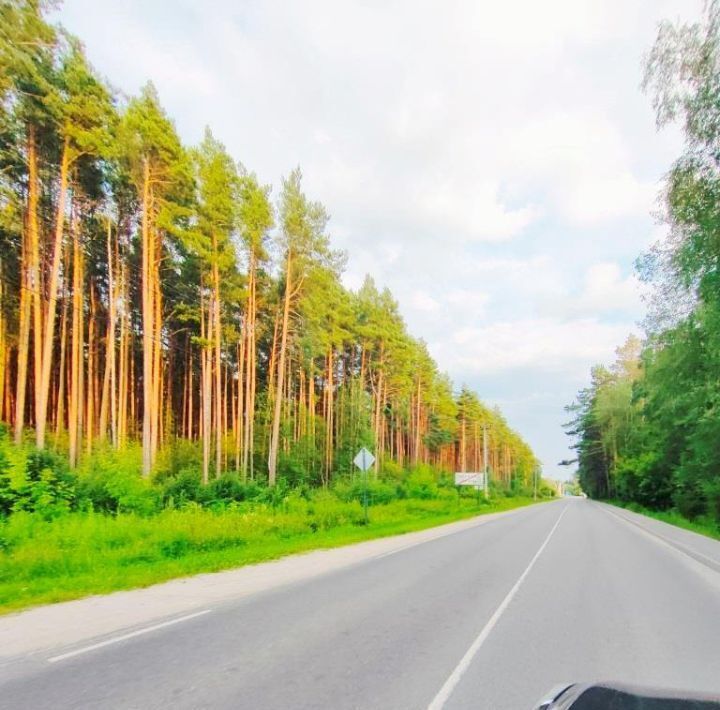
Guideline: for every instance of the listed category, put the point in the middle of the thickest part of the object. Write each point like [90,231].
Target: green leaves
[147,135]
[83,106]
[255,215]
[217,185]
[302,229]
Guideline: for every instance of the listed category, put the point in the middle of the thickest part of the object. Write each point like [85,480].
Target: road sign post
[485,460]
[476,479]
[363,460]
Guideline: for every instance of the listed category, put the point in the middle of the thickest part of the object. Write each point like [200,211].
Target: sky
[494,163]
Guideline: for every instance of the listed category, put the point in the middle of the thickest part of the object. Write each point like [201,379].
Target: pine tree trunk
[49,333]
[91,379]
[329,414]
[206,421]
[108,401]
[36,286]
[148,317]
[218,364]
[157,373]
[124,391]
[191,396]
[3,347]
[28,282]
[275,434]
[76,365]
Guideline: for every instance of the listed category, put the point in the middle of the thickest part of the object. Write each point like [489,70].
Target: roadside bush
[181,489]
[421,483]
[378,491]
[8,495]
[113,484]
[49,487]
[689,502]
[711,489]
[225,489]
[293,471]
[392,471]
[182,456]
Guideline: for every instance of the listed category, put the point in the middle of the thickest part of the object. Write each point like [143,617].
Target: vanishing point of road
[490,615]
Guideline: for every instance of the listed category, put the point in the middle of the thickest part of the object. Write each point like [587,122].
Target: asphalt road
[488,617]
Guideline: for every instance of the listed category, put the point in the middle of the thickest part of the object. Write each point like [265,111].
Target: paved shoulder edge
[638,522]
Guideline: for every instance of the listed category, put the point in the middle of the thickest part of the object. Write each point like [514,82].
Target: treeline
[648,428]
[153,292]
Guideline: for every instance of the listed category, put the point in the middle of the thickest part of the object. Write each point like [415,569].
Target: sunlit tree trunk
[218,361]
[157,372]
[277,408]
[329,414]
[48,337]
[91,369]
[28,282]
[124,386]
[3,347]
[109,392]
[250,374]
[148,319]
[76,365]
[62,375]
[206,377]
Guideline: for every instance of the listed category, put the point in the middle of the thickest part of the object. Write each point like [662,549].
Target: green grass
[78,554]
[706,527]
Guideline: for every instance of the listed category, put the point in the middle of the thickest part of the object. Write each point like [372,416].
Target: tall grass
[48,560]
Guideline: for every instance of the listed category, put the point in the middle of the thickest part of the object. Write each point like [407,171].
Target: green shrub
[8,496]
[711,491]
[392,471]
[185,487]
[49,488]
[378,491]
[421,483]
[112,483]
[689,502]
[182,456]
[293,470]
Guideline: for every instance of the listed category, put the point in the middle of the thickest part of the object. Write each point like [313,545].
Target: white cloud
[470,298]
[538,345]
[472,211]
[603,292]
[606,290]
[423,302]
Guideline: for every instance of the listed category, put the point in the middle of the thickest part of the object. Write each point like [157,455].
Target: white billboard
[477,480]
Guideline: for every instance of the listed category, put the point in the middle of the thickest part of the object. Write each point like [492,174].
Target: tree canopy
[159,295]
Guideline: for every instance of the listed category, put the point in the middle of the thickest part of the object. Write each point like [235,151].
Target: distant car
[617,696]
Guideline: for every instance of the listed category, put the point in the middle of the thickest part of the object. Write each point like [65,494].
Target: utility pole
[485,460]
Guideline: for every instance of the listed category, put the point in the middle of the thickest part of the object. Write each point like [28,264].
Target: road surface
[490,617]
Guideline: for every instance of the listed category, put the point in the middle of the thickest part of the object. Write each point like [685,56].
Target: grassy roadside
[44,561]
[701,526]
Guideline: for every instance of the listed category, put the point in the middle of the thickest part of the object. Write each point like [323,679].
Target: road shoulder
[703,549]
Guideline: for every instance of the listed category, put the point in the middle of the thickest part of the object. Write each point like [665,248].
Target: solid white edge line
[445,692]
[665,541]
[132,634]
